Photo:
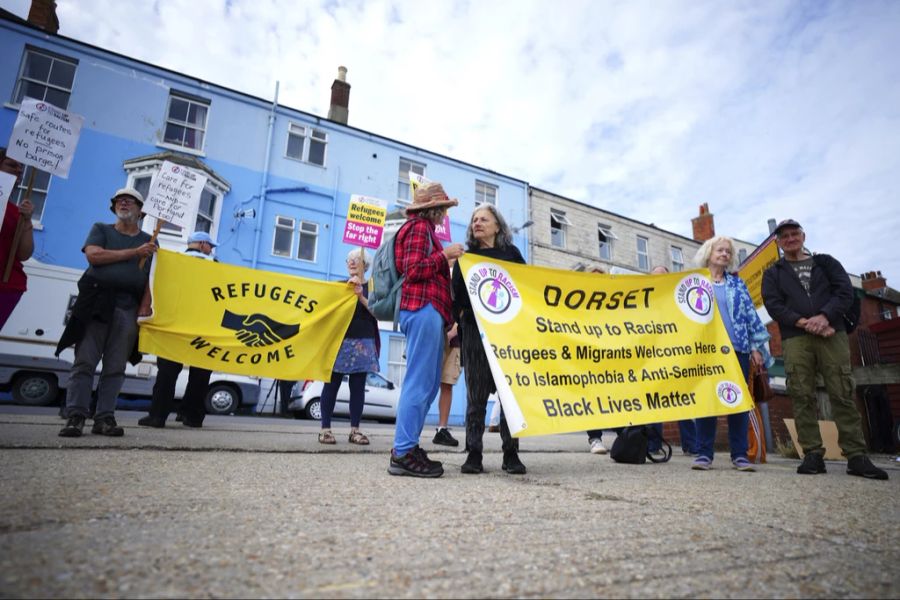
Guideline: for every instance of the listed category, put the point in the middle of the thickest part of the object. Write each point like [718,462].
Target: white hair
[367,262]
[701,259]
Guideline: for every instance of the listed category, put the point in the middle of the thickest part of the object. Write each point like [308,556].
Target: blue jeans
[737,425]
[688,431]
[424,331]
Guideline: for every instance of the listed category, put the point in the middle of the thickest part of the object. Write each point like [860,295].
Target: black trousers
[192,404]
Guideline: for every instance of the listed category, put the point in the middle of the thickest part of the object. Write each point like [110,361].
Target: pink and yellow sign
[365,221]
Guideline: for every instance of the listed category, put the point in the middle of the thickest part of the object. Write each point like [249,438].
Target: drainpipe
[263,188]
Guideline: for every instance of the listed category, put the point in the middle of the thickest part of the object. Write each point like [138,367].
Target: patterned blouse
[749,332]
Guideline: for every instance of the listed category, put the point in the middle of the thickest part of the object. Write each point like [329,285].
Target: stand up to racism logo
[498,299]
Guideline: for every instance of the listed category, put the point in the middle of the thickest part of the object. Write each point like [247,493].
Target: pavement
[255,507]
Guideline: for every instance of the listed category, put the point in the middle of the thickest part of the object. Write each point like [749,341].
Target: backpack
[384,297]
[631,446]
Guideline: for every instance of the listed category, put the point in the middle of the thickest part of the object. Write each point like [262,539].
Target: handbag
[631,446]
[760,390]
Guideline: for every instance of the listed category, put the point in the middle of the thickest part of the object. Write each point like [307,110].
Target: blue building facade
[279,180]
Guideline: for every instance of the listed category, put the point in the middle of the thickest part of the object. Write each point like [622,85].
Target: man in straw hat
[425,314]
[104,319]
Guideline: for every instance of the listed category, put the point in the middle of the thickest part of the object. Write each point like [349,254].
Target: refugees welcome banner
[575,351]
[245,321]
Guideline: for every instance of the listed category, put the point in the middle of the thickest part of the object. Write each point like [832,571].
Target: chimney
[873,280]
[43,14]
[704,225]
[340,97]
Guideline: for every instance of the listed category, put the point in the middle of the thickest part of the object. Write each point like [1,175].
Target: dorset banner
[239,320]
[574,351]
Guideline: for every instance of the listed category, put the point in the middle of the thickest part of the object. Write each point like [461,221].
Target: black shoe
[107,426]
[191,423]
[861,466]
[443,438]
[74,427]
[512,464]
[473,464]
[151,421]
[415,463]
[812,464]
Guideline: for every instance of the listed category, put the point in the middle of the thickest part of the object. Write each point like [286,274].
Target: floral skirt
[357,355]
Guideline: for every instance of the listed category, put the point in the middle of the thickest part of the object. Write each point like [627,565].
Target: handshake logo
[258,330]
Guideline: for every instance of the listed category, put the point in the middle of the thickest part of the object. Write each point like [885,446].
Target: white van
[33,375]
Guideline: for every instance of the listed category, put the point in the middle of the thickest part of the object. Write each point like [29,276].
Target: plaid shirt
[427,275]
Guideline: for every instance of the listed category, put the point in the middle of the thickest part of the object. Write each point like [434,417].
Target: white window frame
[19,193]
[403,178]
[676,255]
[643,265]
[396,359]
[175,238]
[290,228]
[607,232]
[484,193]
[190,99]
[307,136]
[16,100]
[300,235]
[559,216]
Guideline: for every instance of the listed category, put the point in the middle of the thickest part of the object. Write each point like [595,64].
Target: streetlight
[524,225]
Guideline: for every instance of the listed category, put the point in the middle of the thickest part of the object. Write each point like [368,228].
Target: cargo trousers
[805,356]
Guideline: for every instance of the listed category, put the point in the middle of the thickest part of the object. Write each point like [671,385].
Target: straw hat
[430,195]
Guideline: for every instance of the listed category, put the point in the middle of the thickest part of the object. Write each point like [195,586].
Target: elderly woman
[488,235]
[357,356]
[748,339]
[425,314]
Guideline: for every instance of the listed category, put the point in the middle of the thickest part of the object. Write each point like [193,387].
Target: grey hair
[504,235]
[701,259]
[367,262]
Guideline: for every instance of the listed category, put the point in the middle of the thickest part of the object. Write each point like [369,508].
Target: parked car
[381,399]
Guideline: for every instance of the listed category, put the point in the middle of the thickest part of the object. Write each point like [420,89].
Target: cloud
[761,109]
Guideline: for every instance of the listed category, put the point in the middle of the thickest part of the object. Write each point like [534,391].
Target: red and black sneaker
[415,463]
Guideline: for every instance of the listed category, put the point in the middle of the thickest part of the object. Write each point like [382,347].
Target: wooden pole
[159,224]
[20,228]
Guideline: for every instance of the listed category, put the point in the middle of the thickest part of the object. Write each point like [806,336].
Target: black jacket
[830,293]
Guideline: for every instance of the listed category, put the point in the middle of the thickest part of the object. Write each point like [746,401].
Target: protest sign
[365,221]
[244,321]
[753,267]
[174,195]
[45,137]
[442,230]
[7,186]
[592,351]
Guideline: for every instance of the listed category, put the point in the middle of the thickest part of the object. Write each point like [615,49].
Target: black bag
[631,446]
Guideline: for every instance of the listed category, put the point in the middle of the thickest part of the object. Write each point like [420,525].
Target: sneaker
[597,446]
[861,466]
[443,438]
[74,427]
[414,464]
[742,464]
[191,423]
[473,465]
[494,428]
[424,457]
[151,421]
[701,463]
[512,464]
[812,464]
[107,426]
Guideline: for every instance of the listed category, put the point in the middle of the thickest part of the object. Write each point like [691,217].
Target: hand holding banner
[591,351]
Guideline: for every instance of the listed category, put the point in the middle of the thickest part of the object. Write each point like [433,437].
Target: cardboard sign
[365,221]
[45,137]
[7,187]
[174,195]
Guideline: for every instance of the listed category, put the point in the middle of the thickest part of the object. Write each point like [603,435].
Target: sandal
[326,437]
[358,438]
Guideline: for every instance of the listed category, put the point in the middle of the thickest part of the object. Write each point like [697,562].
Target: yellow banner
[575,351]
[753,267]
[238,320]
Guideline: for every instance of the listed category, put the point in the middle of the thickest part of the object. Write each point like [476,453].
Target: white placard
[174,195]
[45,137]
[7,185]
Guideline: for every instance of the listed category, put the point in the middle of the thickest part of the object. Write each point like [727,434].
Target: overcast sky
[762,109]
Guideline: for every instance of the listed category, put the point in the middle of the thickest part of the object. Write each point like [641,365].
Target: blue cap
[201,236]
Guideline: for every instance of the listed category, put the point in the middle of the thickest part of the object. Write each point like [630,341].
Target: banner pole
[20,228]
[159,224]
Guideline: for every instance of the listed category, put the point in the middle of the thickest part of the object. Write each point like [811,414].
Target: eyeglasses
[125,200]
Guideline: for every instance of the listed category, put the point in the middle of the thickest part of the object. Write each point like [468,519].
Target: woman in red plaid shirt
[425,313]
